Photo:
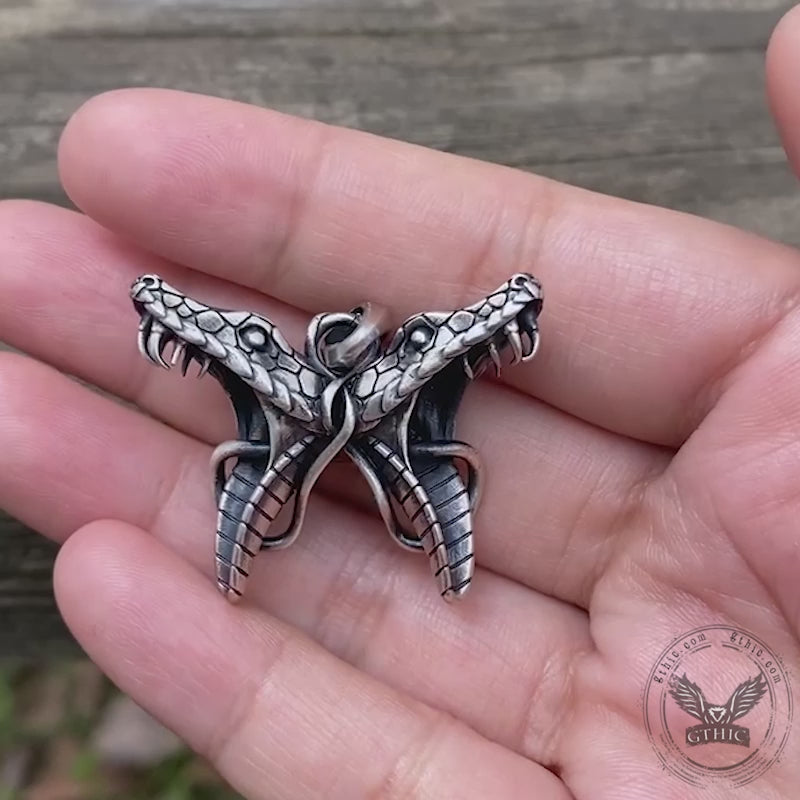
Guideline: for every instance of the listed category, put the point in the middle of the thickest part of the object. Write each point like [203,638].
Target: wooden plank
[577,120]
[656,100]
[560,28]
[30,625]
[706,182]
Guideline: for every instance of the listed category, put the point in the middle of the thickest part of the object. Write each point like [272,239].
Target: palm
[680,565]
[642,471]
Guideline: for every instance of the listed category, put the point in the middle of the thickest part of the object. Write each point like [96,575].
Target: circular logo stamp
[718,706]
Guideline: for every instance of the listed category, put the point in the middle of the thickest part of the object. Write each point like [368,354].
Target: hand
[643,471]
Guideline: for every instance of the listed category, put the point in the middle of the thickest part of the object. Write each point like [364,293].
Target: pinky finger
[279,716]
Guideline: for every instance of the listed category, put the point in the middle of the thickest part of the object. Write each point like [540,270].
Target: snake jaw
[155,338]
[232,345]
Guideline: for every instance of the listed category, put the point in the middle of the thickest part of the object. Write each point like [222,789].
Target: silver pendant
[390,407]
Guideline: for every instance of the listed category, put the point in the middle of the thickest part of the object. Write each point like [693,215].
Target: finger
[568,482]
[747,450]
[321,217]
[501,662]
[783,67]
[277,715]
[65,300]
[745,457]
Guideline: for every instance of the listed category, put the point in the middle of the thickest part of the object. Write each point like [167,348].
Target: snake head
[244,351]
[439,351]
[275,394]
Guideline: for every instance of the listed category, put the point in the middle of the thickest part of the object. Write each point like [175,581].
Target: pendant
[390,405]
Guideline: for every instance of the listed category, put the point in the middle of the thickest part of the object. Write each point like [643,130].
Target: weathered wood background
[657,100]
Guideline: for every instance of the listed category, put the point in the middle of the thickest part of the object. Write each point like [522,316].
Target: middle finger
[318,215]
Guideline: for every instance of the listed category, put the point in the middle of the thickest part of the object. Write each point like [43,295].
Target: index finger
[645,312]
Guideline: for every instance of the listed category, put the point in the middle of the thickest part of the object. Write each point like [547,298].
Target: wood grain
[656,100]
[29,621]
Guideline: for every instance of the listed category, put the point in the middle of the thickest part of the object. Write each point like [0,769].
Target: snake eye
[419,335]
[254,336]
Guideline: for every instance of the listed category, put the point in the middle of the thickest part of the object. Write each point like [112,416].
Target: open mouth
[439,398]
[520,335]
[155,338]
[166,348]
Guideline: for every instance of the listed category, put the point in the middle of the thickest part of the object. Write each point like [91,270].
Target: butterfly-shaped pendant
[390,406]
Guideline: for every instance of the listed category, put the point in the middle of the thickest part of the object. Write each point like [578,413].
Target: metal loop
[349,353]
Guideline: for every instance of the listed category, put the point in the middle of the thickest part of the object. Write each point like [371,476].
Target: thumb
[783,83]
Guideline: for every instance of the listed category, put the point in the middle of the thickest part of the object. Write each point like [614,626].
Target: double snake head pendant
[388,403]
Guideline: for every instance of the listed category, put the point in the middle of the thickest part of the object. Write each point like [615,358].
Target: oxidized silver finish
[391,407]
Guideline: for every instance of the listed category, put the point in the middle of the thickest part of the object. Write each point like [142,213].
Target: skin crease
[661,496]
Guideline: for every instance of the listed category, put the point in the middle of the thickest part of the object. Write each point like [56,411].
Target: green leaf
[180,790]
[85,767]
